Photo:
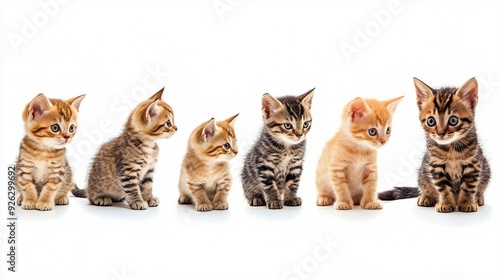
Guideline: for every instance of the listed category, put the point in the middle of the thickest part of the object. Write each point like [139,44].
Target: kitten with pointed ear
[347,169]
[44,176]
[123,168]
[273,166]
[205,177]
[454,172]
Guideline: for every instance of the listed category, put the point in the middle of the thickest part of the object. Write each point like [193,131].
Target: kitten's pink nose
[383,142]
[66,137]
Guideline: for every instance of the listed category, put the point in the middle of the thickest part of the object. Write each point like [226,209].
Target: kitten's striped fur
[273,166]
[347,169]
[43,175]
[454,172]
[205,177]
[123,168]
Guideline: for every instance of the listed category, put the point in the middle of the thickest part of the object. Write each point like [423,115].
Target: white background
[216,58]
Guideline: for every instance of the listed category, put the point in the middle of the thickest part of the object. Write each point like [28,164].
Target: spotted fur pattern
[205,178]
[43,175]
[273,166]
[123,168]
[454,172]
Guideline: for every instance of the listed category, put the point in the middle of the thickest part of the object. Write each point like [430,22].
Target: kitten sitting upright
[347,169]
[43,175]
[454,173]
[273,166]
[123,168]
[205,177]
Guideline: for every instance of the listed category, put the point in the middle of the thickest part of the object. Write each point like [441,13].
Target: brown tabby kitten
[454,172]
[347,169]
[205,176]
[43,175]
[123,168]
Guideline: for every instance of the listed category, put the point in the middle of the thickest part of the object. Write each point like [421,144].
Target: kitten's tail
[79,192]
[399,193]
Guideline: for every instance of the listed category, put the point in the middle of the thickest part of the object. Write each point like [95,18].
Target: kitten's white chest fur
[41,172]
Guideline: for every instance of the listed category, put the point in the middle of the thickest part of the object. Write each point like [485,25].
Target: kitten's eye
[372,131]
[306,125]
[453,121]
[226,146]
[431,121]
[71,128]
[388,131]
[55,128]
[287,126]
[168,124]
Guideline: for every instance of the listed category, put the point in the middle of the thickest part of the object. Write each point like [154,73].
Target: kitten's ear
[208,132]
[75,101]
[357,109]
[469,92]
[391,104]
[270,105]
[151,112]
[306,98]
[424,92]
[157,96]
[232,119]
[38,106]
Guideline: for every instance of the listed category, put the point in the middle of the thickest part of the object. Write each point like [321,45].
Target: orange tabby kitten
[205,176]
[43,175]
[347,169]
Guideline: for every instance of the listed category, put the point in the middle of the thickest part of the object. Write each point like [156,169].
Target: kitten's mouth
[443,140]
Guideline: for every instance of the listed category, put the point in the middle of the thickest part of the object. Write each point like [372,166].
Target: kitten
[273,166]
[205,177]
[43,175]
[454,172]
[123,168]
[347,169]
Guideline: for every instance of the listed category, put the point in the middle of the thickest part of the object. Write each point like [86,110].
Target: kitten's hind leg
[428,193]
[101,200]
[291,198]
[257,200]
[325,191]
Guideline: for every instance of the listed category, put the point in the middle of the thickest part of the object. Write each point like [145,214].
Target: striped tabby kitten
[123,168]
[347,169]
[205,177]
[43,175]
[454,172]
[272,168]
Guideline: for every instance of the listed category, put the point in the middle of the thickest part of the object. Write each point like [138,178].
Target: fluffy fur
[43,175]
[454,172]
[273,166]
[123,168]
[205,177]
[347,169]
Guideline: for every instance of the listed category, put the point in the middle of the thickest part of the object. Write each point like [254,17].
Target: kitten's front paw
[343,205]
[445,207]
[184,199]
[425,201]
[153,202]
[296,201]
[275,204]
[29,204]
[480,199]
[468,207]
[102,201]
[44,205]
[220,205]
[204,207]
[63,200]
[138,205]
[372,205]
[20,200]
[256,201]
[324,200]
